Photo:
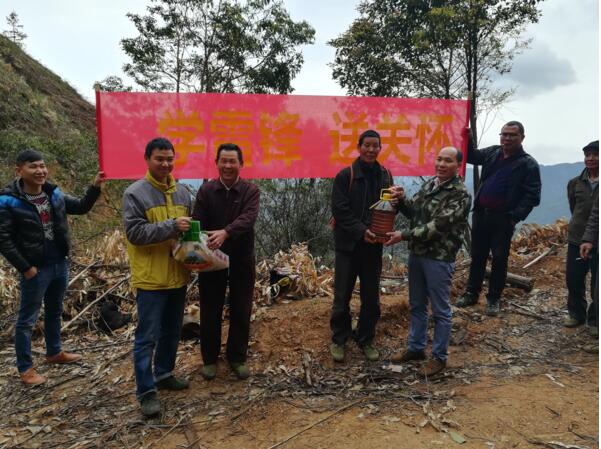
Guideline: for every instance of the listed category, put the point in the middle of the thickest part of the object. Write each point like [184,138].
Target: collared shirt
[234,209]
[225,185]
[592,182]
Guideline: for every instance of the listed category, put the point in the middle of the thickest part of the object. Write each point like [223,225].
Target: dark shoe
[434,366]
[337,352]
[32,377]
[209,371]
[468,299]
[572,322]
[407,356]
[240,370]
[150,404]
[63,357]
[370,353]
[492,308]
[172,383]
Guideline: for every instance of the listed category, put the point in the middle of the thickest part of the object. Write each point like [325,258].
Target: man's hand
[32,272]
[398,192]
[100,179]
[216,238]
[393,237]
[585,250]
[182,224]
[369,236]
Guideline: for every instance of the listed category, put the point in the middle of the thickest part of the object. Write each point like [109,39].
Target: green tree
[436,48]
[292,211]
[216,46]
[15,31]
[112,84]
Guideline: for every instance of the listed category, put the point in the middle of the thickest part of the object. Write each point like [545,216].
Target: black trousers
[366,262]
[212,286]
[576,271]
[491,233]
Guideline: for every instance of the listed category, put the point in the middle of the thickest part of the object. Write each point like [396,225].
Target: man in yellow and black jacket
[156,210]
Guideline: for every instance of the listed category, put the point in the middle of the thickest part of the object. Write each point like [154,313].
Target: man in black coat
[227,207]
[355,190]
[583,194]
[34,238]
[510,188]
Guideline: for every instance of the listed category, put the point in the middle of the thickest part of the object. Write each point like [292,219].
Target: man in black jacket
[510,188]
[358,253]
[583,194]
[34,238]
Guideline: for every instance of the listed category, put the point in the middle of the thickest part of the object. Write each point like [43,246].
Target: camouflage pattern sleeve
[453,213]
[405,206]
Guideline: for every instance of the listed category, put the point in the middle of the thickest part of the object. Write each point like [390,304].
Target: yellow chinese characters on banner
[184,130]
[397,133]
[281,136]
[234,127]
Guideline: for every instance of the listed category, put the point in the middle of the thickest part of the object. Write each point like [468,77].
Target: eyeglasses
[509,136]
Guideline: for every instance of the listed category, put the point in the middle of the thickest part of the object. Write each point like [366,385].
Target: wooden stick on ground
[341,409]
[85,309]
[81,273]
[532,262]
[166,433]
[514,280]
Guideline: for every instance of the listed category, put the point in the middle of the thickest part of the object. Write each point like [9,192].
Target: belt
[489,211]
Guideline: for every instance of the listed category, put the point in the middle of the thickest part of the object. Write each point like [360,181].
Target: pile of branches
[533,238]
[293,274]
[98,274]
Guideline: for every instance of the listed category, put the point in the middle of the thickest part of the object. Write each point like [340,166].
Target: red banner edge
[99,132]
[467,138]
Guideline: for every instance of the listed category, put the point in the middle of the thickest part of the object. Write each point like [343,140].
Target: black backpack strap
[350,182]
[388,174]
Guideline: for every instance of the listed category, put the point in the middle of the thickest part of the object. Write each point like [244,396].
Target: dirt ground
[519,380]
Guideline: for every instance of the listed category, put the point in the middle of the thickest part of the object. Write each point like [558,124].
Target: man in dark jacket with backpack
[510,188]
[358,253]
[34,238]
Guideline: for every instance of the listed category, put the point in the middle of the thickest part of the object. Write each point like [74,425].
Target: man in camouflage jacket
[438,217]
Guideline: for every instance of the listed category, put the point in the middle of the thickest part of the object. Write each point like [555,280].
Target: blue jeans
[430,279]
[160,316]
[49,285]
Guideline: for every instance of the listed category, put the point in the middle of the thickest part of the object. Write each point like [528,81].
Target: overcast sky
[557,79]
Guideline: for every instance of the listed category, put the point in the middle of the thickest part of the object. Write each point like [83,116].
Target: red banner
[281,136]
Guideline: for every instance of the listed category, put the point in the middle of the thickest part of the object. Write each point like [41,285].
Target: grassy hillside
[40,110]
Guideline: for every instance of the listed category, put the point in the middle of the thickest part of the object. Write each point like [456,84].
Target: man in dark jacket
[583,193]
[355,190]
[510,188]
[34,238]
[227,207]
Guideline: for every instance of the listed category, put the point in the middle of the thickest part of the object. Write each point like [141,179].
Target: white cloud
[539,70]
